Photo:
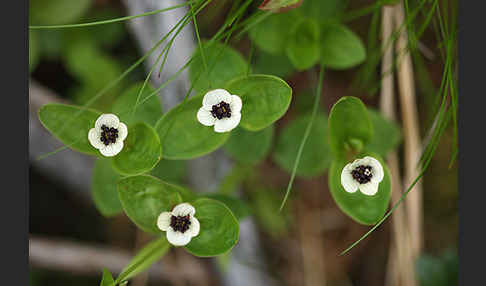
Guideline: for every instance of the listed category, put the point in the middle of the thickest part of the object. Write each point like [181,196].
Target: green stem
[315,108]
[109,21]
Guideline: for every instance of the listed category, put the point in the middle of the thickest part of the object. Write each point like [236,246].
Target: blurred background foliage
[77,63]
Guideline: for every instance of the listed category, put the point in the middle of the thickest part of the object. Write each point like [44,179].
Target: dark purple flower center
[362,174]
[180,223]
[221,110]
[108,135]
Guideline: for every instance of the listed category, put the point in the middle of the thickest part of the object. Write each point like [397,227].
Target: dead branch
[400,261]
[412,145]
[81,258]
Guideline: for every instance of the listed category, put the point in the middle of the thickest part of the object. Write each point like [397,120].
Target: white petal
[122,131]
[349,184]
[183,210]
[108,119]
[236,104]
[205,117]
[94,138]
[178,238]
[117,147]
[194,227]
[357,163]
[369,188]
[227,124]
[215,96]
[376,168]
[163,221]
[112,149]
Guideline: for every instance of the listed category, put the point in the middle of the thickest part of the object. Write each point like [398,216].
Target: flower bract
[364,174]
[221,110]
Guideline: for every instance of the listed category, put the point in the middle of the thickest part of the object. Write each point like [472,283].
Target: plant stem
[412,145]
[306,135]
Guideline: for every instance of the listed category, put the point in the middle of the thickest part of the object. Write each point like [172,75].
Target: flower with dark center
[179,224]
[221,109]
[364,174]
[108,135]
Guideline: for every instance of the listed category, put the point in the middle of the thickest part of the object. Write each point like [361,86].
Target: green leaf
[145,197]
[265,204]
[362,208]
[152,252]
[341,48]
[270,35]
[57,12]
[51,43]
[183,137]
[304,101]
[438,271]
[82,94]
[103,188]
[277,65]
[141,151]
[386,134]
[239,208]
[249,147]
[219,229]
[93,69]
[235,177]
[303,44]
[148,112]
[186,194]
[323,11]
[265,99]
[85,60]
[107,36]
[33,50]
[107,279]
[316,156]
[223,63]
[58,119]
[349,122]
[172,171]
[223,261]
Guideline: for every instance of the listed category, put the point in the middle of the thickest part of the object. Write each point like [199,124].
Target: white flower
[363,174]
[108,135]
[180,224]
[220,109]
